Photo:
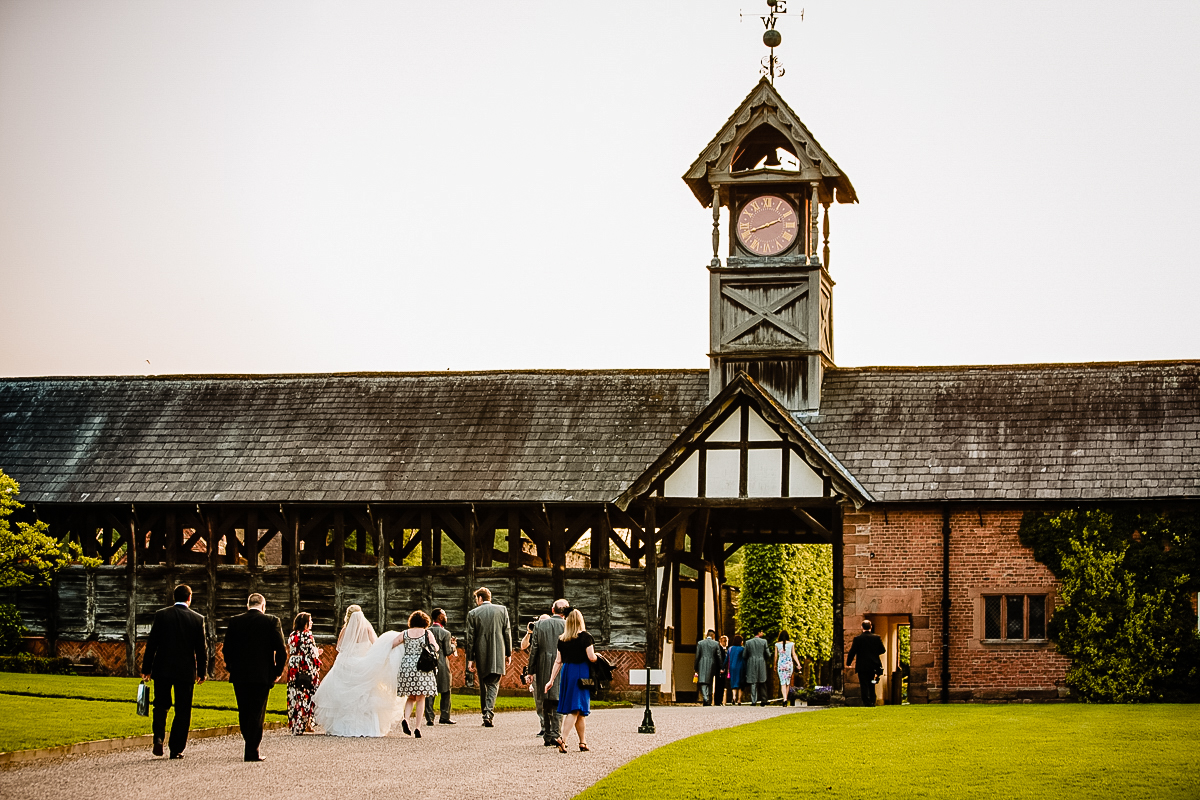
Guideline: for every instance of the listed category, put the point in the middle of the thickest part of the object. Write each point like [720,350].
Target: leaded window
[1014,617]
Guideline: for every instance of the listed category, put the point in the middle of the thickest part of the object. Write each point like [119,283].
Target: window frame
[978,599]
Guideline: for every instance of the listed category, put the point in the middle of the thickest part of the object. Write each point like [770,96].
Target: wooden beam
[744,503]
[558,552]
[294,564]
[812,523]
[514,538]
[837,651]
[131,554]
[469,586]
[381,561]
[654,619]
[171,543]
[250,537]
[210,607]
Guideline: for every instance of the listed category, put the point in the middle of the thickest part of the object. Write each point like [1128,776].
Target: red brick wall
[905,576]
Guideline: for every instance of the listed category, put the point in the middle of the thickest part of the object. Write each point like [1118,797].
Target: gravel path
[471,761]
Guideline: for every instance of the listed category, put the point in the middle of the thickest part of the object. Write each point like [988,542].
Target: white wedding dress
[358,696]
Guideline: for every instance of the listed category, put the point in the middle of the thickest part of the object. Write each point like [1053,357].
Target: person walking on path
[255,657]
[489,649]
[576,651]
[411,682]
[176,658]
[735,662]
[722,676]
[756,667]
[543,652]
[706,664]
[447,648]
[785,661]
[303,675]
[866,648]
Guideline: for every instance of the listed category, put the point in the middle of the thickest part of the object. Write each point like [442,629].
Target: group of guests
[734,666]
[358,696]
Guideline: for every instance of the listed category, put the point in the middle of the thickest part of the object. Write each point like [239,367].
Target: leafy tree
[29,555]
[1124,614]
[11,629]
[789,587]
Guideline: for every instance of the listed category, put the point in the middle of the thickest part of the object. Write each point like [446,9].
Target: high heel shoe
[417,733]
[562,746]
[583,748]
[404,727]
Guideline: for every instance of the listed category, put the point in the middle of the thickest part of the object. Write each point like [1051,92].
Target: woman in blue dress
[576,651]
[736,662]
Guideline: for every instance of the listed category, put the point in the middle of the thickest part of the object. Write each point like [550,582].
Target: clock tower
[771,299]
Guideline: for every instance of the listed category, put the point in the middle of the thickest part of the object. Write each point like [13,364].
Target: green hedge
[24,662]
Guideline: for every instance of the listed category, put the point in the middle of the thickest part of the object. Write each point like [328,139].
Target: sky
[279,187]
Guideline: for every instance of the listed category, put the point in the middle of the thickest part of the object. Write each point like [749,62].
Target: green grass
[29,722]
[210,694]
[1009,751]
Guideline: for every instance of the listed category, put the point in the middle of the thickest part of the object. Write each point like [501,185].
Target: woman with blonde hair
[576,651]
[358,696]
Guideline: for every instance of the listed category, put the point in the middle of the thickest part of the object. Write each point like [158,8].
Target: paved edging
[122,743]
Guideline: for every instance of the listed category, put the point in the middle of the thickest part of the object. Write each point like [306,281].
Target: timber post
[838,645]
[653,629]
[294,566]
[210,602]
[469,554]
[131,589]
[381,559]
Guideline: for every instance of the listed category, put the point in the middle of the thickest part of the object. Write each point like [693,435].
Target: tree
[789,587]
[29,555]
[1124,614]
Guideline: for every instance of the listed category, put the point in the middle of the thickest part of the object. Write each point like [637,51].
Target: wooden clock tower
[771,301]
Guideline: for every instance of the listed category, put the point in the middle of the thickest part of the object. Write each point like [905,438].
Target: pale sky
[254,187]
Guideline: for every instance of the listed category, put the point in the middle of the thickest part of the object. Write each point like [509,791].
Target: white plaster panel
[764,473]
[760,431]
[730,430]
[722,473]
[685,480]
[802,480]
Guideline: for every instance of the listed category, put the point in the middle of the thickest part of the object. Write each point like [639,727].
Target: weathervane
[772,66]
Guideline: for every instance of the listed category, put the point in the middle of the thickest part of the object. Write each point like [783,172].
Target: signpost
[647,676]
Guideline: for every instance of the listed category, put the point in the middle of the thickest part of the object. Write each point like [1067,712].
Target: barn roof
[538,435]
[1048,432]
[1021,432]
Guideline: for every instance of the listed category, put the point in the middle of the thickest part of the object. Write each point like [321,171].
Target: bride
[358,696]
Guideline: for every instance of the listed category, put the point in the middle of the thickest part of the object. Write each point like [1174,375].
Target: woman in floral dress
[303,675]
[785,660]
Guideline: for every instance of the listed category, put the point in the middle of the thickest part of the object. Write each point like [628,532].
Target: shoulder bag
[427,661]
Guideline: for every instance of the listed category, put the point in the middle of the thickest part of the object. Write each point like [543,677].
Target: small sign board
[637,677]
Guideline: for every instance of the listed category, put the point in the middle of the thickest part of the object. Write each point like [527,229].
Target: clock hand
[769,224]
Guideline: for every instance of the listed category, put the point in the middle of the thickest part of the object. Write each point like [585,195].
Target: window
[1014,617]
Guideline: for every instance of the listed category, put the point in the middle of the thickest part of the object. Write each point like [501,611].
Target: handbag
[428,660]
[303,681]
[587,683]
[143,700]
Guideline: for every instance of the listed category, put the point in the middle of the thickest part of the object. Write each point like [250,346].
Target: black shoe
[417,733]
[447,722]
[157,749]
[255,758]
[176,755]
[542,734]
[487,723]
[404,727]
[550,743]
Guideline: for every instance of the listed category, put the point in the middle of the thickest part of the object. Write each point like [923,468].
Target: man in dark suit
[867,648]
[543,647]
[445,649]
[756,653]
[255,657]
[176,658]
[489,649]
[708,654]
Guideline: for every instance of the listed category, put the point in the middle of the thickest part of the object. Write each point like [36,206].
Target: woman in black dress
[576,651]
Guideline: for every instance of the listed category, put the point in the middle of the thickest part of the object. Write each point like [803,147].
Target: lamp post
[647,725]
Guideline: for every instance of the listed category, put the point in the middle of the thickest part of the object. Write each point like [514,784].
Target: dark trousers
[489,687]
[183,712]
[719,694]
[866,689]
[252,711]
[445,715]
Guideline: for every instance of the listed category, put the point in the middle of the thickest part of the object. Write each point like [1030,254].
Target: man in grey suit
[543,647]
[446,648]
[706,665]
[489,649]
[757,650]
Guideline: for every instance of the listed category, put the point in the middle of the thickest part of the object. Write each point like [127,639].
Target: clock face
[767,225]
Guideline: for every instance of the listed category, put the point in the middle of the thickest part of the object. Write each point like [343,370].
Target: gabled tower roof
[762,106]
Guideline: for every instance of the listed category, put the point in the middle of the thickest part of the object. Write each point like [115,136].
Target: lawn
[968,751]
[210,694]
[28,722]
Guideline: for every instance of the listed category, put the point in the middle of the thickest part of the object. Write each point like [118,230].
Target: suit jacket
[543,647]
[867,647]
[254,649]
[442,637]
[176,649]
[489,638]
[708,659]
[756,651]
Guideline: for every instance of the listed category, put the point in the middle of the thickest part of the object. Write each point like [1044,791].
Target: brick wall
[893,565]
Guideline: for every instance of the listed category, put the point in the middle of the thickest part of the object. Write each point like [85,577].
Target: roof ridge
[204,376]
[1033,365]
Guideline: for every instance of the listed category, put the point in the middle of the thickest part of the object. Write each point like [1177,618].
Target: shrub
[24,662]
[11,629]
